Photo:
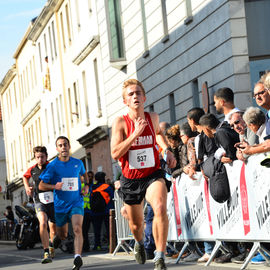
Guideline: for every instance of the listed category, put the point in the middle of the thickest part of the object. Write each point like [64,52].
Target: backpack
[98,203]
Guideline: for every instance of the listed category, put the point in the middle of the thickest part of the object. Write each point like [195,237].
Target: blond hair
[131,82]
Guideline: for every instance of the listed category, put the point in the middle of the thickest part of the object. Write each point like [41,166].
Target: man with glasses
[245,134]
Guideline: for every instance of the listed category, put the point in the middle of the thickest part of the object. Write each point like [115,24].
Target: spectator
[255,120]
[178,149]
[224,102]
[188,137]
[9,214]
[224,136]
[87,218]
[245,133]
[100,202]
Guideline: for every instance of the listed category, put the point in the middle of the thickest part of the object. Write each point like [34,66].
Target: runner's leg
[43,230]
[156,195]
[77,221]
[135,219]
[52,227]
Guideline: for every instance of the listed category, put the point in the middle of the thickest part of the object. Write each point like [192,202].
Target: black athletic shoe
[77,263]
[160,264]
[56,242]
[140,254]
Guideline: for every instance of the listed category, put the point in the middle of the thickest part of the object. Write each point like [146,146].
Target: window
[45,45]
[54,42]
[70,107]
[53,121]
[90,7]
[47,125]
[76,113]
[77,13]
[68,24]
[189,18]
[62,113]
[97,89]
[58,116]
[15,94]
[21,156]
[39,131]
[85,98]
[116,42]
[145,39]
[24,83]
[21,81]
[27,81]
[172,108]
[164,20]
[40,56]
[10,102]
[50,40]
[62,28]
[31,74]
[195,93]
[34,67]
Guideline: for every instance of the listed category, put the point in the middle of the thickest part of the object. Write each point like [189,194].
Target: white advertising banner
[193,201]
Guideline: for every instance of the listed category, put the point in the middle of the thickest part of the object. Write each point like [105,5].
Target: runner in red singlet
[133,143]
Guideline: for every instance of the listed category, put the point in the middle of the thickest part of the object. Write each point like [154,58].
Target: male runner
[64,173]
[44,205]
[133,143]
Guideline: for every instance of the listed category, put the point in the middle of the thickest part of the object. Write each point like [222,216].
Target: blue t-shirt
[68,172]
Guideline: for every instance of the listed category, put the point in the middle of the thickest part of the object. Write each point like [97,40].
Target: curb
[7,242]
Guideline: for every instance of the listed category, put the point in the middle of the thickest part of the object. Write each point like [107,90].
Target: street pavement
[13,259]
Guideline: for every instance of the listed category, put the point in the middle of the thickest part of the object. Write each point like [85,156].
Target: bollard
[112,231]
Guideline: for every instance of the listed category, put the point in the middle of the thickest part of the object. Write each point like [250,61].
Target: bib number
[141,158]
[46,197]
[70,184]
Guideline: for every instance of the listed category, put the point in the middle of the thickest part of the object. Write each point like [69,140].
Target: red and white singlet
[142,159]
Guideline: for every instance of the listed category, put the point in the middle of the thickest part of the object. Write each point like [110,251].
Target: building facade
[75,56]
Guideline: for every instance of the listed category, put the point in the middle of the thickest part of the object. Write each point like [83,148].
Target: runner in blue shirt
[64,175]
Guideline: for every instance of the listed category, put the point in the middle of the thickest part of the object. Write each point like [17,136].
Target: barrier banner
[227,217]
[172,230]
[195,222]
[258,190]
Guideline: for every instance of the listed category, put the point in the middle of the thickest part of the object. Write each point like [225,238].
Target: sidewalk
[130,257]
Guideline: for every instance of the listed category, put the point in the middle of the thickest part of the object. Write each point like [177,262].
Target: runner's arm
[28,189]
[161,140]
[45,187]
[119,145]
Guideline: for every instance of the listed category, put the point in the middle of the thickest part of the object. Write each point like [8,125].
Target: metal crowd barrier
[6,230]
[122,227]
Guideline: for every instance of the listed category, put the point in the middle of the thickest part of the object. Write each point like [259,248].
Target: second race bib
[46,197]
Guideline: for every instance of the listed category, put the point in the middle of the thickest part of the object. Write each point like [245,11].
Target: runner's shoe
[56,242]
[77,263]
[140,254]
[52,253]
[46,258]
[160,264]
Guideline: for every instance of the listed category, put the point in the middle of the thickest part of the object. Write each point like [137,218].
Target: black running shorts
[133,190]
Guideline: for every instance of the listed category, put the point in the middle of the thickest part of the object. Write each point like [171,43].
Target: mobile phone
[240,146]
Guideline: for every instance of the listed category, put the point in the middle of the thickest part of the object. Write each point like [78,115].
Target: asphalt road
[13,259]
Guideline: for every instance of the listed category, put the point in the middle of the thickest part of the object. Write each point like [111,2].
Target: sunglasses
[259,94]
[235,123]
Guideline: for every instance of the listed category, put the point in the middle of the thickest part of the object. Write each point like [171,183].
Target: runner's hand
[85,190]
[140,124]
[171,161]
[58,185]
[29,191]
